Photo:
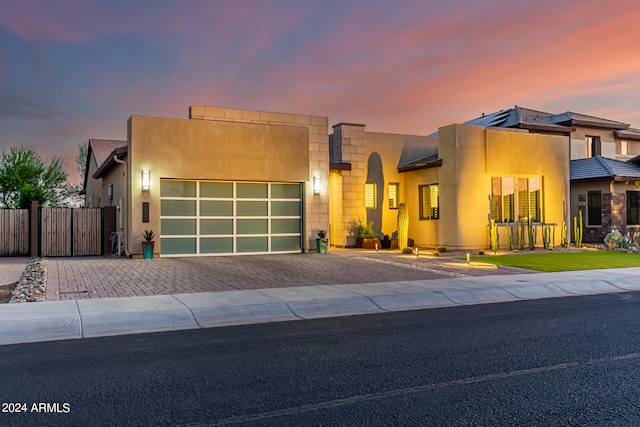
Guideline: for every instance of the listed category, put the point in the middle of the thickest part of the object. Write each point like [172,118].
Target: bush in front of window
[615,240]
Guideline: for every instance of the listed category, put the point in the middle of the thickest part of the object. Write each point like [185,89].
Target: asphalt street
[563,361]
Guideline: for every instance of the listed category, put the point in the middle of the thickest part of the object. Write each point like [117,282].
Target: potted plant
[148,244]
[322,243]
[351,239]
[386,242]
[367,237]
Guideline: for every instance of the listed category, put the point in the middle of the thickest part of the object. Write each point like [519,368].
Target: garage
[225,218]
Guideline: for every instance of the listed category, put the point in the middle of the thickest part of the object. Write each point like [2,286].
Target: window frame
[394,202]
[591,209]
[636,208]
[594,146]
[374,195]
[434,213]
[516,199]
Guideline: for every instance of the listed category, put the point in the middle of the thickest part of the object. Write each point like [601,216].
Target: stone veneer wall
[316,207]
[348,142]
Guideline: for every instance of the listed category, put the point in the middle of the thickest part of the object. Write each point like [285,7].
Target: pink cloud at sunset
[73,70]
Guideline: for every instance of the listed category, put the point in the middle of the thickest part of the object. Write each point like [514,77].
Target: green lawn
[563,261]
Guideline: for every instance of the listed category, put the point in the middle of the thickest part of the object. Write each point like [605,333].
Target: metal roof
[601,168]
[520,118]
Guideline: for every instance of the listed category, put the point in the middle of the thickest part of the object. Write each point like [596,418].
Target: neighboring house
[607,191]
[101,190]
[590,136]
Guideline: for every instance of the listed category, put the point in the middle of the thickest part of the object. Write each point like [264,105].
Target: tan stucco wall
[390,148]
[316,205]
[423,232]
[471,155]
[356,146]
[209,150]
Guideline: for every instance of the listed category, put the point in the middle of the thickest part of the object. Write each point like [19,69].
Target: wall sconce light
[316,185]
[110,192]
[146,181]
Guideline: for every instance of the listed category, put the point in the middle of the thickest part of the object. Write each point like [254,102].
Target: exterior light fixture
[110,192]
[146,181]
[316,185]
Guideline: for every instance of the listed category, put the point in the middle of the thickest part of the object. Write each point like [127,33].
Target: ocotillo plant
[508,236]
[521,243]
[403,226]
[493,235]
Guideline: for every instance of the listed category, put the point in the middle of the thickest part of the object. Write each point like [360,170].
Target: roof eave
[561,129]
[420,166]
[627,136]
[120,153]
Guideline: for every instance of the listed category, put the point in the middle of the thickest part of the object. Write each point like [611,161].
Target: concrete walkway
[83,318]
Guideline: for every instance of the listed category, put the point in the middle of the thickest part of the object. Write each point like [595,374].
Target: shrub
[366,231]
[615,240]
[435,253]
[441,249]
[407,251]
[480,252]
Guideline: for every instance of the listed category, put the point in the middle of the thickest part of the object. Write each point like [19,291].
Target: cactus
[532,234]
[493,235]
[546,238]
[577,229]
[553,237]
[565,242]
[521,240]
[403,226]
[508,236]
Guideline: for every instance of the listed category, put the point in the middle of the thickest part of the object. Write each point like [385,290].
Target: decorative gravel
[33,283]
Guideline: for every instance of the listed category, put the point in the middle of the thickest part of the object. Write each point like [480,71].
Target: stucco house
[452,182]
[607,191]
[589,136]
[227,181]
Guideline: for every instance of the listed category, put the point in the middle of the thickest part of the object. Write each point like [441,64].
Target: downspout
[122,162]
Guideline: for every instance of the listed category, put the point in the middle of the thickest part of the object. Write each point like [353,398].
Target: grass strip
[563,261]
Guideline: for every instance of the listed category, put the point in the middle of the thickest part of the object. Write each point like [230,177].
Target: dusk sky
[71,70]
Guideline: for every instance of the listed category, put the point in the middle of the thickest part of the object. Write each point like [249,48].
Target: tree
[25,177]
[81,160]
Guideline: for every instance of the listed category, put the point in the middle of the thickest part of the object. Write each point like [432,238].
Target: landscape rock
[32,285]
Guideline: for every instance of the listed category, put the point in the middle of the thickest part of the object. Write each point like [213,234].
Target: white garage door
[225,218]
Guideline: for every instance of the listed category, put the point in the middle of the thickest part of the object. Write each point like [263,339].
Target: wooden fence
[14,232]
[70,232]
[56,231]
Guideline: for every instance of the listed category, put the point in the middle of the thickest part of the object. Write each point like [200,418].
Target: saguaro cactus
[403,226]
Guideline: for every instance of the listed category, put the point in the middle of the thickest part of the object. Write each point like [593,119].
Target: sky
[71,70]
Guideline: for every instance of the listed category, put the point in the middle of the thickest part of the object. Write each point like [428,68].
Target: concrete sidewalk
[57,320]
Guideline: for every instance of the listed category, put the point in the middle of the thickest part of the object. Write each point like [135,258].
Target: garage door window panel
[218,245]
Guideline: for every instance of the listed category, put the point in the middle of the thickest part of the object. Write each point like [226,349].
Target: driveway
[104,277]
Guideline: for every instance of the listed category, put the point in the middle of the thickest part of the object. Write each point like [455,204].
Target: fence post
[108,227]
[34,229]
